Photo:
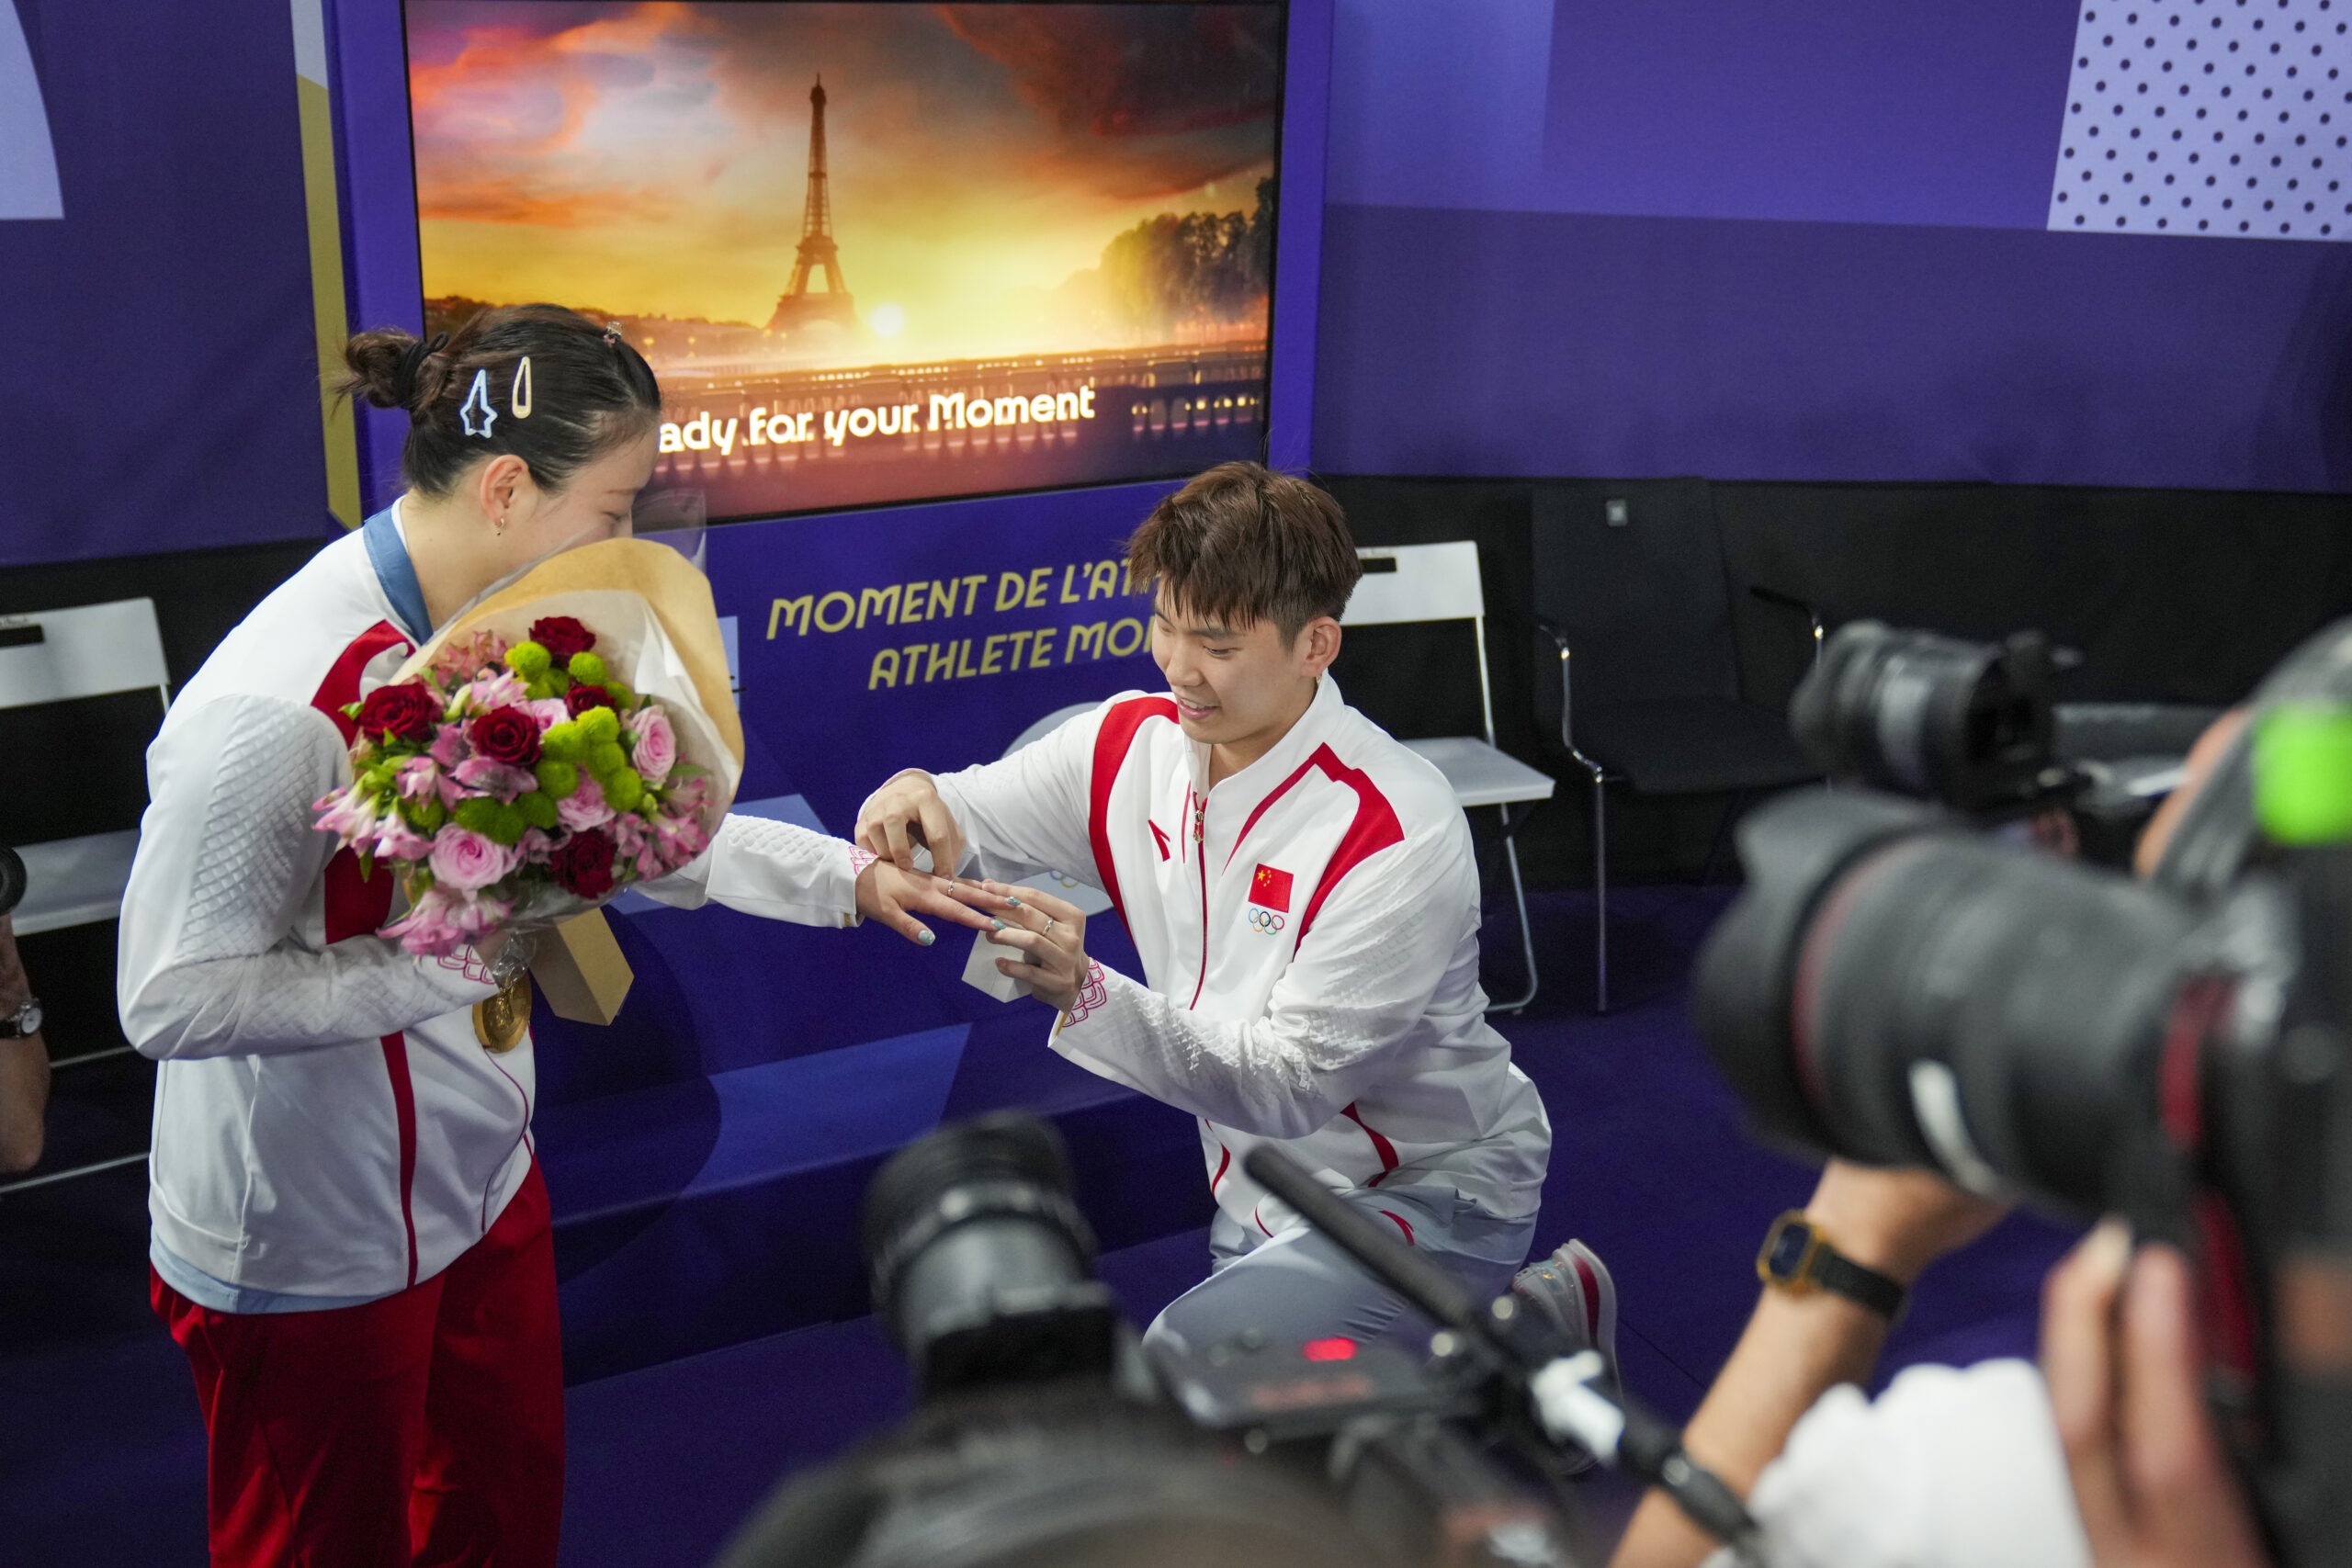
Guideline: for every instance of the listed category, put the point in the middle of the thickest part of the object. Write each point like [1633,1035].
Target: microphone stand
[1560,1388]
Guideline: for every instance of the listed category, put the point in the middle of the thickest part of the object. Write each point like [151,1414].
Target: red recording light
[1328,1349]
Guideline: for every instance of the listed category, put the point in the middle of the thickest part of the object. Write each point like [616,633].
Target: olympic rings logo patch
[1265,922]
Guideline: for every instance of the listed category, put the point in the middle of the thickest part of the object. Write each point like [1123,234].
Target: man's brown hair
[1242,544]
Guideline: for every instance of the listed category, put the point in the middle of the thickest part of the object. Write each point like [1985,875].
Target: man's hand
[905,812]
[1896,1222]
[2150,1479]
[1047,936]
[888,894]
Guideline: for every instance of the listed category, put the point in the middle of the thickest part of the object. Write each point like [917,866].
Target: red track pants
[424,1428]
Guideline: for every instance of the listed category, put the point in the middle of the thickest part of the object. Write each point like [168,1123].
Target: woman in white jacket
[350,1235]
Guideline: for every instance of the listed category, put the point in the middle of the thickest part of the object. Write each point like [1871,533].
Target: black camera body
[1971,725]
[1894,988]
[1047,1433]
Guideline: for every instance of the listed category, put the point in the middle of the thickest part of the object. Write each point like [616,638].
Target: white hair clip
[478,403]
[518,396]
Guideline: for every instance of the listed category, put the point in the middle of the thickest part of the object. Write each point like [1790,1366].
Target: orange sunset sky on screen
[653,159]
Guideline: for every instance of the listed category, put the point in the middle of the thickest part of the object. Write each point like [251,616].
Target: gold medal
[501,1023]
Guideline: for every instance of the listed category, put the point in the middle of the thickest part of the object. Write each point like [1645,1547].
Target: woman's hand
[888,894]
[1047,934]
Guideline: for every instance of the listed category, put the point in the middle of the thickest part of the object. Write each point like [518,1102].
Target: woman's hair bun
[460,389]
[383,369]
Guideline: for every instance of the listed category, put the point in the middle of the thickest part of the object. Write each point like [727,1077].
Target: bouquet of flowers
[512,781]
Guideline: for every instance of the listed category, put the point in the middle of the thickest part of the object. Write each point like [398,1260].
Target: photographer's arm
[24,1068]
[1797,1347]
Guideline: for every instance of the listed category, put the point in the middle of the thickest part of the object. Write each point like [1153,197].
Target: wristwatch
[1796,1257]
[25,1020]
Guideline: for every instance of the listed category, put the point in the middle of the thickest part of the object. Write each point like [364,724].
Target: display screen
[875,252]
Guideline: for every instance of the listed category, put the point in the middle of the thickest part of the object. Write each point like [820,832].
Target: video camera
[1894,988]
[1048,1434]
[1971,725]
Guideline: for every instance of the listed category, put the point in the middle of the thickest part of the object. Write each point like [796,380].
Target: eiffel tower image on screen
[797,307]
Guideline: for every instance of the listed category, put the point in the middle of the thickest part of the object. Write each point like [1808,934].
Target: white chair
[1409,583]
[93,650]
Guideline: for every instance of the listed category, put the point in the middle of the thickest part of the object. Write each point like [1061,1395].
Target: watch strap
[1840,1275]
[1816,1265]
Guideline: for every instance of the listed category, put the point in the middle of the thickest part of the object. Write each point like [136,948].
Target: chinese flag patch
[1270,889]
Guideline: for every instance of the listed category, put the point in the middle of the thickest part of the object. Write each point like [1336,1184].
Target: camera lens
[12,879]
[1894,991]
[1967,723]
[981,1263]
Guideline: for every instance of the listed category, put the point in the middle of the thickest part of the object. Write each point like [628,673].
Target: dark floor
[101,1457]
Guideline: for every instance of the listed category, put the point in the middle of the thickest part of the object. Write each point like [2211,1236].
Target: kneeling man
[1302,893]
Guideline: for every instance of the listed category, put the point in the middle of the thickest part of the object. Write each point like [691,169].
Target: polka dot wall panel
[2219,118]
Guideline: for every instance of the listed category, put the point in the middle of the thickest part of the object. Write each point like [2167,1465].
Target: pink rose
[483,776]
[657,744]
[548,711]
[464,859]
[584,807]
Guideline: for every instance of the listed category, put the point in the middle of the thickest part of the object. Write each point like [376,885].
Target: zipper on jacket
[1201,855]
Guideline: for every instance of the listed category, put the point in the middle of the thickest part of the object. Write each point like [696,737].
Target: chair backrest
[76,682]
[1634,572]
[91,650]
[1403,584]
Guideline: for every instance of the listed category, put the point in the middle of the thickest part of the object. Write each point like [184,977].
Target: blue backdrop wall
[160,391]
[1841,239]
[1748,238]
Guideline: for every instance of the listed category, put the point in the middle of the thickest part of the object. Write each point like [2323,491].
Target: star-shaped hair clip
[476,405]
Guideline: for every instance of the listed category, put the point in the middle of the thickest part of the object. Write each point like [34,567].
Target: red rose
[580,699]
[506,735]
[407,710]
[563,637]
[583,863]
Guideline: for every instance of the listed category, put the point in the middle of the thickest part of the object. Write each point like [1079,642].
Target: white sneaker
[1573,1292]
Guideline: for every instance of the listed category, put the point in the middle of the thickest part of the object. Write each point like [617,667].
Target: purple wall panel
[1560,345]
[1298,247]
[1930,111]
[163,386]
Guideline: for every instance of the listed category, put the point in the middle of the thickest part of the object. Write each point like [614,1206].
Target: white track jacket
[326,1123]
[1309,936]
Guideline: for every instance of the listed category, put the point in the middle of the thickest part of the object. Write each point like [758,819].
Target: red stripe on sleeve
[1374,829]
[356,906]
[1112,743]
[340,688]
